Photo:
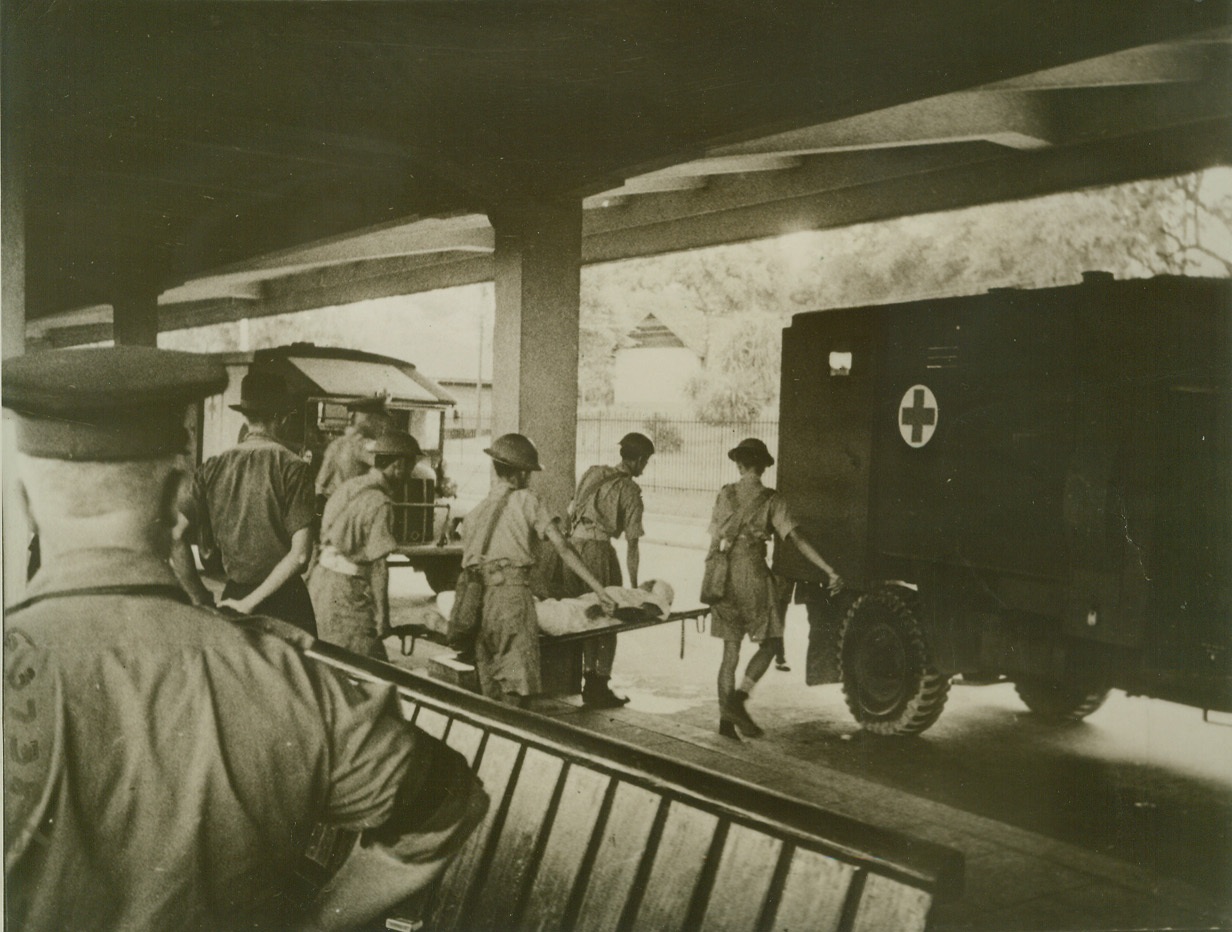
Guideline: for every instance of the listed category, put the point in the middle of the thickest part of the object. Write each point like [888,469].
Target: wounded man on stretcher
[651,600]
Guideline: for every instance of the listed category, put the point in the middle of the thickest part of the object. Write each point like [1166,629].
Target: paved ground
[1122,822]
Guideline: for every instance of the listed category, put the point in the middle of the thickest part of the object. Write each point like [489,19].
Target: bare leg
[759,663]
[727,670]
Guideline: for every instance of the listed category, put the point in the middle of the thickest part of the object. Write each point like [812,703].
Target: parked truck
[321,380]
[1024,485]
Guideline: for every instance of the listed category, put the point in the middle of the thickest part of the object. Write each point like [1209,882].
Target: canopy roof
[346,375]
[273,154]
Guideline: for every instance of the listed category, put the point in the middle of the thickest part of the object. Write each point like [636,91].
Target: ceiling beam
[953,185]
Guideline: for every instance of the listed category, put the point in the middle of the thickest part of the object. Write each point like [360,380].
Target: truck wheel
[1060,700]
[888,682]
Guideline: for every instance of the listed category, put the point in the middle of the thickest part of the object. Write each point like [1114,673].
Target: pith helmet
[751,450]
[636,444]
[396,443]
[515,450]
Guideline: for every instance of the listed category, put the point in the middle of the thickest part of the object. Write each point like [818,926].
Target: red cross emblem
[917,415]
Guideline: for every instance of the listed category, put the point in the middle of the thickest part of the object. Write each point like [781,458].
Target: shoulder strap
[589,496]
[492,522]
[163,590]
[737,521]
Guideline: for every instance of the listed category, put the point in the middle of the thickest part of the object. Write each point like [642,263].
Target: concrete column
[134,320]
[538,261]
[16,528]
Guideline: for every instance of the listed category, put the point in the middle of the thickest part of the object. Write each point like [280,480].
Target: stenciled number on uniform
[917,415]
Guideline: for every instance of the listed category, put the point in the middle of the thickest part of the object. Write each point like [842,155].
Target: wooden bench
[586,832]
[560,656]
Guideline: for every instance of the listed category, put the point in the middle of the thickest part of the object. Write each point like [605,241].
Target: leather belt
[500,573]
[589,532]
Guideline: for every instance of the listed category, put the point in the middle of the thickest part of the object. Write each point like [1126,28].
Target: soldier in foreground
[165,764]
[607,504]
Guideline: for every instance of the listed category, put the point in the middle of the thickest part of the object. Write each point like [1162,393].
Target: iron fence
[691,455]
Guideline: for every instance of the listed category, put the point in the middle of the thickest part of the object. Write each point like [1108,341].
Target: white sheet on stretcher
[568,616]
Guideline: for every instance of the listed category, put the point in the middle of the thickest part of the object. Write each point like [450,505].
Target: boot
[596,694]
[735,712]
[727,729]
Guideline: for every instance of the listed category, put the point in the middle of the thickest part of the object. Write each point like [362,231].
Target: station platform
[1016,880]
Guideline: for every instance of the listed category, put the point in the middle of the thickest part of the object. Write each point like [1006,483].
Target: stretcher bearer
[255,502]
[511,520]
[607,503]
[344,458]
[746,515]
[350,583]
[165,764]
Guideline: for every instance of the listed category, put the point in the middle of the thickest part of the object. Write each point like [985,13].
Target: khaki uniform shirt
[166,764]
[251,500]
[771,517]
[343,459]
[359,519]
[524,521]
[609,501]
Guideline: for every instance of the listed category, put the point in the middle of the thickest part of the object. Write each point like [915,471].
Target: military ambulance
[1033,486]
[321,380]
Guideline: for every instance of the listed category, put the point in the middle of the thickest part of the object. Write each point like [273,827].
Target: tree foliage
[1178,226]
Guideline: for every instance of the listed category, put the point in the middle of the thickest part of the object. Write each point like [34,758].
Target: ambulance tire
[1060,701]
[889,683]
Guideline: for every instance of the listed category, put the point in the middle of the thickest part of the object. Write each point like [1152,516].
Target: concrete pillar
[134,316]
[538,262]
[16,529]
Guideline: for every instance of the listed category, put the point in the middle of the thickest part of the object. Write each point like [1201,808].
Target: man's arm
[633,559]
[185,569]
[414,799]
[378,578]
[294,563]
[807,551]
[189,518]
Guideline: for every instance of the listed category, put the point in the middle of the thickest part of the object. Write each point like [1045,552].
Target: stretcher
[560,656]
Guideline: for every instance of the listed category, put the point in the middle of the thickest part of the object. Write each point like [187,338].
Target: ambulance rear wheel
[1060,700]
[890,685]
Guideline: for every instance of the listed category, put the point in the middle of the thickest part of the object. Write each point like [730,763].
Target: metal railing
[691,455]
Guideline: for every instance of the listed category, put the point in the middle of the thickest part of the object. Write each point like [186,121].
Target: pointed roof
[669,327]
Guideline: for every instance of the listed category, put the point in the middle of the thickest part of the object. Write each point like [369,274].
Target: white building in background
[656,361]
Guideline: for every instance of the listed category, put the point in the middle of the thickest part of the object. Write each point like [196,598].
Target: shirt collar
[501,487]
[110,566]
[254,437]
